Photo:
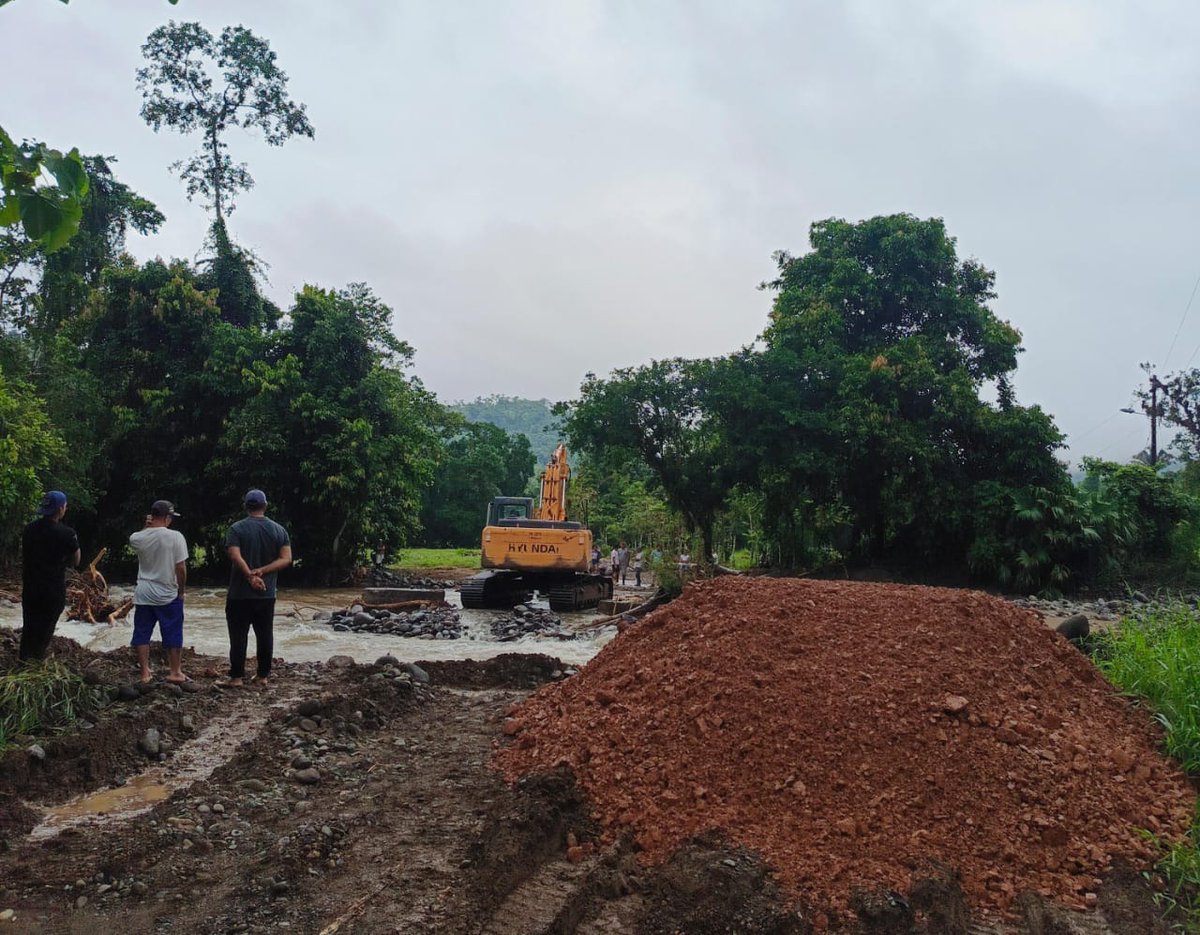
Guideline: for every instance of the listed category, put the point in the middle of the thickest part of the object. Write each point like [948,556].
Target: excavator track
[579,593]
[494,589]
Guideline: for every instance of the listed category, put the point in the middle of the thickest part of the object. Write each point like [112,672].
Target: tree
[28,447]
[481,461]
[867,396]
[179,91]
[661,415]
[360,437]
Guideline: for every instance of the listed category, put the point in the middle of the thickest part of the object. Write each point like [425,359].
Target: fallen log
[659,598]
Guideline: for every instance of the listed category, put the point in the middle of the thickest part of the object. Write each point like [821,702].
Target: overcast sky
[540,189]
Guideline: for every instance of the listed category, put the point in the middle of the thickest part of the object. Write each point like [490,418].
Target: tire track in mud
[193,761]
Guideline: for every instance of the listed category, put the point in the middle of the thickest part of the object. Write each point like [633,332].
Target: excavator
[527,549]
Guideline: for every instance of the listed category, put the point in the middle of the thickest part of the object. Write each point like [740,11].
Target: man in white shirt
[158,598]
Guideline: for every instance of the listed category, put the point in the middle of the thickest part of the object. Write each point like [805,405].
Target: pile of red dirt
[855,733]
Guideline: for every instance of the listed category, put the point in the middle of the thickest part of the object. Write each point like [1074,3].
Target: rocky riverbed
[525,620]
[426,623]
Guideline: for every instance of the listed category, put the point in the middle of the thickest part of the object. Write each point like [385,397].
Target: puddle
[193,761]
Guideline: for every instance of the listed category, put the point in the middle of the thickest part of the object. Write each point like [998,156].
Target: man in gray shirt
[258,549]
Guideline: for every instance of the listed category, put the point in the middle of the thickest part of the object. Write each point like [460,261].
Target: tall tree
[360,436]
[661,415]
[482,461]
[197,82]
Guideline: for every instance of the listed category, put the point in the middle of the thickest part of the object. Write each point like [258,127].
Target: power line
[1080,437]
[1186,309]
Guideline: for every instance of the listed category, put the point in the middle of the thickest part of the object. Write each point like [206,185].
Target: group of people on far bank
[619,561]
[258,549]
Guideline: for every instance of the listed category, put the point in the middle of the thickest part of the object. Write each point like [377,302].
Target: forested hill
[513,414]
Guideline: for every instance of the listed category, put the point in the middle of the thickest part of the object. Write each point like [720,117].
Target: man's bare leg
[174,659]
[143,654]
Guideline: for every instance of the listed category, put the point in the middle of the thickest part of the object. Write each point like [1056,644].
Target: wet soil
[362,799]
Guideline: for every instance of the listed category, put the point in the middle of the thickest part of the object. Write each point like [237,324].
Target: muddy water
[194,761]
[298,638]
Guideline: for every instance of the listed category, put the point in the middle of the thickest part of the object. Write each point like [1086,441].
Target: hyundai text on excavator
[527,549]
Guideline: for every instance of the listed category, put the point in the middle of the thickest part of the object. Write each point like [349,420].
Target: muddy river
[298,638]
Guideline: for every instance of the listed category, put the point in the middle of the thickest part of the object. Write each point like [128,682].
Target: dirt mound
[855,734]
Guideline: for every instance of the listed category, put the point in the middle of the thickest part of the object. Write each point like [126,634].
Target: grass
[435,558]
[40,698]
[1156,656]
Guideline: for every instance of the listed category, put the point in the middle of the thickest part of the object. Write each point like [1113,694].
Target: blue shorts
[169,618]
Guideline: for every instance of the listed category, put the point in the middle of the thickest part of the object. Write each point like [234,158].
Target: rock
[36,752]
[362,618]
[954,704]
[322,615]
[279,887]
[300,761]
[187,724]
[7,915]
[139,888]
[307,777]
[340,662]
[387,661]
[308,724]
[308,707]
[190,688]
[81,902]
[172,689]
[127,693]
[151,742]
[1075,627]
[218,808]
[418,674]
[254,785]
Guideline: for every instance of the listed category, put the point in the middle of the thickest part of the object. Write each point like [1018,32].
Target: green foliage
[42,697]
[233,272]
[661,416]
[533,418]
[250,91]
[481,461]
[361,437]
[49,213]
[1156,655]
[29,445]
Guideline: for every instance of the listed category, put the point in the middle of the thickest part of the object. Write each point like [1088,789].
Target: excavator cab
[509,508]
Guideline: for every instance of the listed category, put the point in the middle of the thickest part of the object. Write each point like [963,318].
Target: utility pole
[1154,385]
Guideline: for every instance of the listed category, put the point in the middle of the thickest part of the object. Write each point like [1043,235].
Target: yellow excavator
[527,549]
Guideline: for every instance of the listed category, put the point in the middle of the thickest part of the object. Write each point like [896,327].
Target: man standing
[158,598]
[623,560]
[259,548]
[48,545]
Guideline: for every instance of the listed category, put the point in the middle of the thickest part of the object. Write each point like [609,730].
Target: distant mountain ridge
[532,417]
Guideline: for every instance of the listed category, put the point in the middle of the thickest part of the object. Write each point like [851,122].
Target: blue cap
[255,498]
[54,501]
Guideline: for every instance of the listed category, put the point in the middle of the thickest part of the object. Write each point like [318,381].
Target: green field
[435,558]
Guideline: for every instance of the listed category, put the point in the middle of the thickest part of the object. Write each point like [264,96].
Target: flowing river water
[299,638]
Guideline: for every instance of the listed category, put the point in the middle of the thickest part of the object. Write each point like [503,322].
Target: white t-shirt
[158,550]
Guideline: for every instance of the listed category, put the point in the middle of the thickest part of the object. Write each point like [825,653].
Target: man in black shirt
[258,549]
[47,546]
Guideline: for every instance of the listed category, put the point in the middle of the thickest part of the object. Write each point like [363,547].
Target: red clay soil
[854,733]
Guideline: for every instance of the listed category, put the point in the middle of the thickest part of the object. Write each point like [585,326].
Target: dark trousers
[242,614]
[39,615]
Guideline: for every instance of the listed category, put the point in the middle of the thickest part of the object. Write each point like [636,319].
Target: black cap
[163,508]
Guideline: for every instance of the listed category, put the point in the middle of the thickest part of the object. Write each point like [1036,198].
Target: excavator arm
[553,502]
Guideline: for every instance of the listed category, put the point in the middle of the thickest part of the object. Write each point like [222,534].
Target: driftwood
[659,598]
[87,596]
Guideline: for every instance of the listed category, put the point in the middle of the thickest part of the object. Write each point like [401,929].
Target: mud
[362,799]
